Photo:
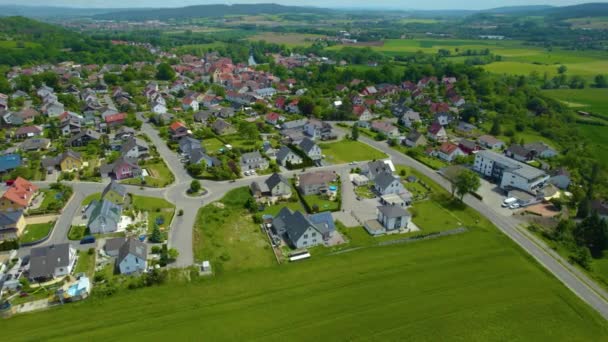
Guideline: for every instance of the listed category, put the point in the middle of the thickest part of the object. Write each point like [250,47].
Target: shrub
[91,251]
[180,212]
[155,249]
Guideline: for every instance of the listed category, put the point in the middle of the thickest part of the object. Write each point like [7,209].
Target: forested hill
[578,11]
[206,11]
[27,41]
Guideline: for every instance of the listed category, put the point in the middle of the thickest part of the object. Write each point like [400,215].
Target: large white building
[509,173]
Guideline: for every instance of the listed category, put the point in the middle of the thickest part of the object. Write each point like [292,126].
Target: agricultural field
[595,23]
[289,39]
[492,290]
[346,151]
[224,233]
[517,58]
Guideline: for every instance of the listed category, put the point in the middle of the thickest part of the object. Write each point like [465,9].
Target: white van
[506,203]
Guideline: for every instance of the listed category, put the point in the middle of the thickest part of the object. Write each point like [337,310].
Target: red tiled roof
[20,192]
[448,148]
[176,125]
[116,117]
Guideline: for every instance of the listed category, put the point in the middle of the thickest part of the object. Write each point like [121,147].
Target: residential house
[12,224]
[449,151]
[318,129]
[178,130]
[221,127]
[265,92]
[294,124]
[490,142]
[410,118]
[274,187]
[465,128]
[103,216]
[285,157]
[386,128]
[9,162]
[299,231]
[509,173]
[415,139]
[375,168]
[18,196]
[135,148]
[437,133]
[273,118]
[386,183]
[293,107]
[389,218]
[189,103]
[66,162]
[132,257]
[312,150]
[115,120]
[203,116]
[199,156]
[315,183]
[83,138]
[28,132]
[124,133]
[468,147]
[52,261]
[253,161]
[35,144]
[519,153]
[443,118]
[540,150]
[362,113]
[112,246]
[115,193]
[122,168]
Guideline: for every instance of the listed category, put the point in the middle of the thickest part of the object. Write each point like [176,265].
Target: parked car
[507,202]
[514,205]
[87,239]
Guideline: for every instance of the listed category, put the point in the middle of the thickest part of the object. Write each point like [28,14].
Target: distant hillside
[27,41]
[578,11]
[517,9]
[205,11]
[49,12]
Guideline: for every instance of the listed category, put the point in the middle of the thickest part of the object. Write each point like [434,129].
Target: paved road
[574,279]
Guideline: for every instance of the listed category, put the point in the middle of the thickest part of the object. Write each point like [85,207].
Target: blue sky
[402,4]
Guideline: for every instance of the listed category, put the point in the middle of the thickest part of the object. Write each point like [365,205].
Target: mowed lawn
[346,151]
[155,207]
[476,286]
[226,235]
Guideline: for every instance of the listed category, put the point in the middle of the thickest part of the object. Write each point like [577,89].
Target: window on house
[306,236]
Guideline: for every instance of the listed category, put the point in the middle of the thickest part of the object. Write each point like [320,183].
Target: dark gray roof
[34,144]
[44,260]
[54,161]
[323,221]
[114,244]
[307,144]
[393,211]
[293,224]
[283,152]
[116,187]
[133,246]
[383,180]
[10,218]
[132,142]
[378,167]
[187,144]
[413,135]
[275,179]
[519,150]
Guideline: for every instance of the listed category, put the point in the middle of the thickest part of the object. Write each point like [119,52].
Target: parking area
[494,196]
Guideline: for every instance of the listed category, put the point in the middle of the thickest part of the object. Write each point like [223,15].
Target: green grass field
[159,175]
[228,237]
[473,287]
[212,145]
[92,197]
[346,151]
[85,264]
[35,232]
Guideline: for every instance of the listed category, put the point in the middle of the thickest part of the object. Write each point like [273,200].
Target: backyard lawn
[226,235]
[365,191]
[346,151]
[54,200]
[212,145]
[85,264]
[156,207]
[76,233]
[159,175]
[92,197]
[35,232]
